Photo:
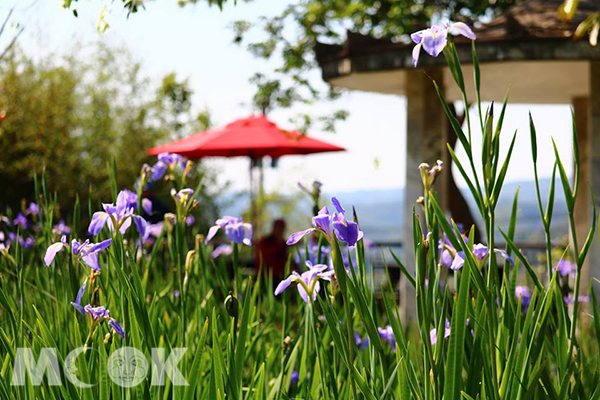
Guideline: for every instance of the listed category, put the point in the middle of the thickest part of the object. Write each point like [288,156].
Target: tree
[72,117]
[327,21]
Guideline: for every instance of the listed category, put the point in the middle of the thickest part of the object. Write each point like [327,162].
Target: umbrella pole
[252,200]
[261,196]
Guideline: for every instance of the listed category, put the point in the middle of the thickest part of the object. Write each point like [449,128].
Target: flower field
[123,308]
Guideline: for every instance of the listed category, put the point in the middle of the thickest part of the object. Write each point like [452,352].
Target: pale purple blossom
[565,268]
[523,293]
[345,230]
[33,209]
[120,214]
[61,228]
[433,333]
[236,230]
[147,206]
[387,335]
[77,302]
[580,299]
[308,282]
[21,221]
[87,251]
[97,313]
[224,249]
[433,40]
[189,221]
[481,253]
[166,161]
[117,328]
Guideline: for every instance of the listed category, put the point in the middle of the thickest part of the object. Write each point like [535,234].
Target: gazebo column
[587,121]
[426,137]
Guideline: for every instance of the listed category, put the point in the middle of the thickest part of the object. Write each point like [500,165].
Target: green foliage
[309,21]
[474,336]
[70,117]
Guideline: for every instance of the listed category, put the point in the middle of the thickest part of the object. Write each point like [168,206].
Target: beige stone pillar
[425,142]
[587,121]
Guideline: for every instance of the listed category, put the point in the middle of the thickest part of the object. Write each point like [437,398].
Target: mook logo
[126,367]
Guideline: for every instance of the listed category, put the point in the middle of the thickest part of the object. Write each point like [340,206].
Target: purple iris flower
[235,228]
[434,39]
[77,302]
[224,249]
[481,253]
[565,268]
[307,282]
[360,342]
[147,206]
[295,377]
[97,312]
[433,333]
[89,252]
[130,198]
[117,328]
[345,230]
[121,213]
[61,228]
[86,250]
[54,248]
[189,221]
[580,299]
[166,161]
[21,221]
[33,209]
[158,171]
[26,243]
[387,334]
[523,293]
[240,233]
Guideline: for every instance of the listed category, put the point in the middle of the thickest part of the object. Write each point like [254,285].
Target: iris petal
[296,237]
[463,29]
[53,249]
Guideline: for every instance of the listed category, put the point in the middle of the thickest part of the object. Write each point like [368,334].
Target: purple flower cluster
[98,313]
[118,216]
[236,229]
[346,231]
[387,335]
[20,227]
[88,252]
[450,258]
[308,282]
[523,293]
[566,268]
[433,333]
[166,162]
[433,40]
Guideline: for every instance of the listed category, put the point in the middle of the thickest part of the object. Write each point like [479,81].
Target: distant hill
[380,211]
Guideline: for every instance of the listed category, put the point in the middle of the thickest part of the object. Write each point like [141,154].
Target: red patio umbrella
[255,137]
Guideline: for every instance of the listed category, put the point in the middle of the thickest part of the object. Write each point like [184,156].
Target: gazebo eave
[526,66]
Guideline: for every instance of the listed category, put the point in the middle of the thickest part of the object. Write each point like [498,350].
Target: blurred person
[271,251]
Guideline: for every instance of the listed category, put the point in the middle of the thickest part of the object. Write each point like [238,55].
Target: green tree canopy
[72,117]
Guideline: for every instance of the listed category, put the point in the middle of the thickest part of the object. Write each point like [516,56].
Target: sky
[196,43]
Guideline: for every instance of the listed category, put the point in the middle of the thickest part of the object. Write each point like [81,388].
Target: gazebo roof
[528,32]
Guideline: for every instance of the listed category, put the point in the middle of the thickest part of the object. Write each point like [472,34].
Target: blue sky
[196,42]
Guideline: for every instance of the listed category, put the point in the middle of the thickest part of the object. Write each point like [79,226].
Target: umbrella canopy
[255,137]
